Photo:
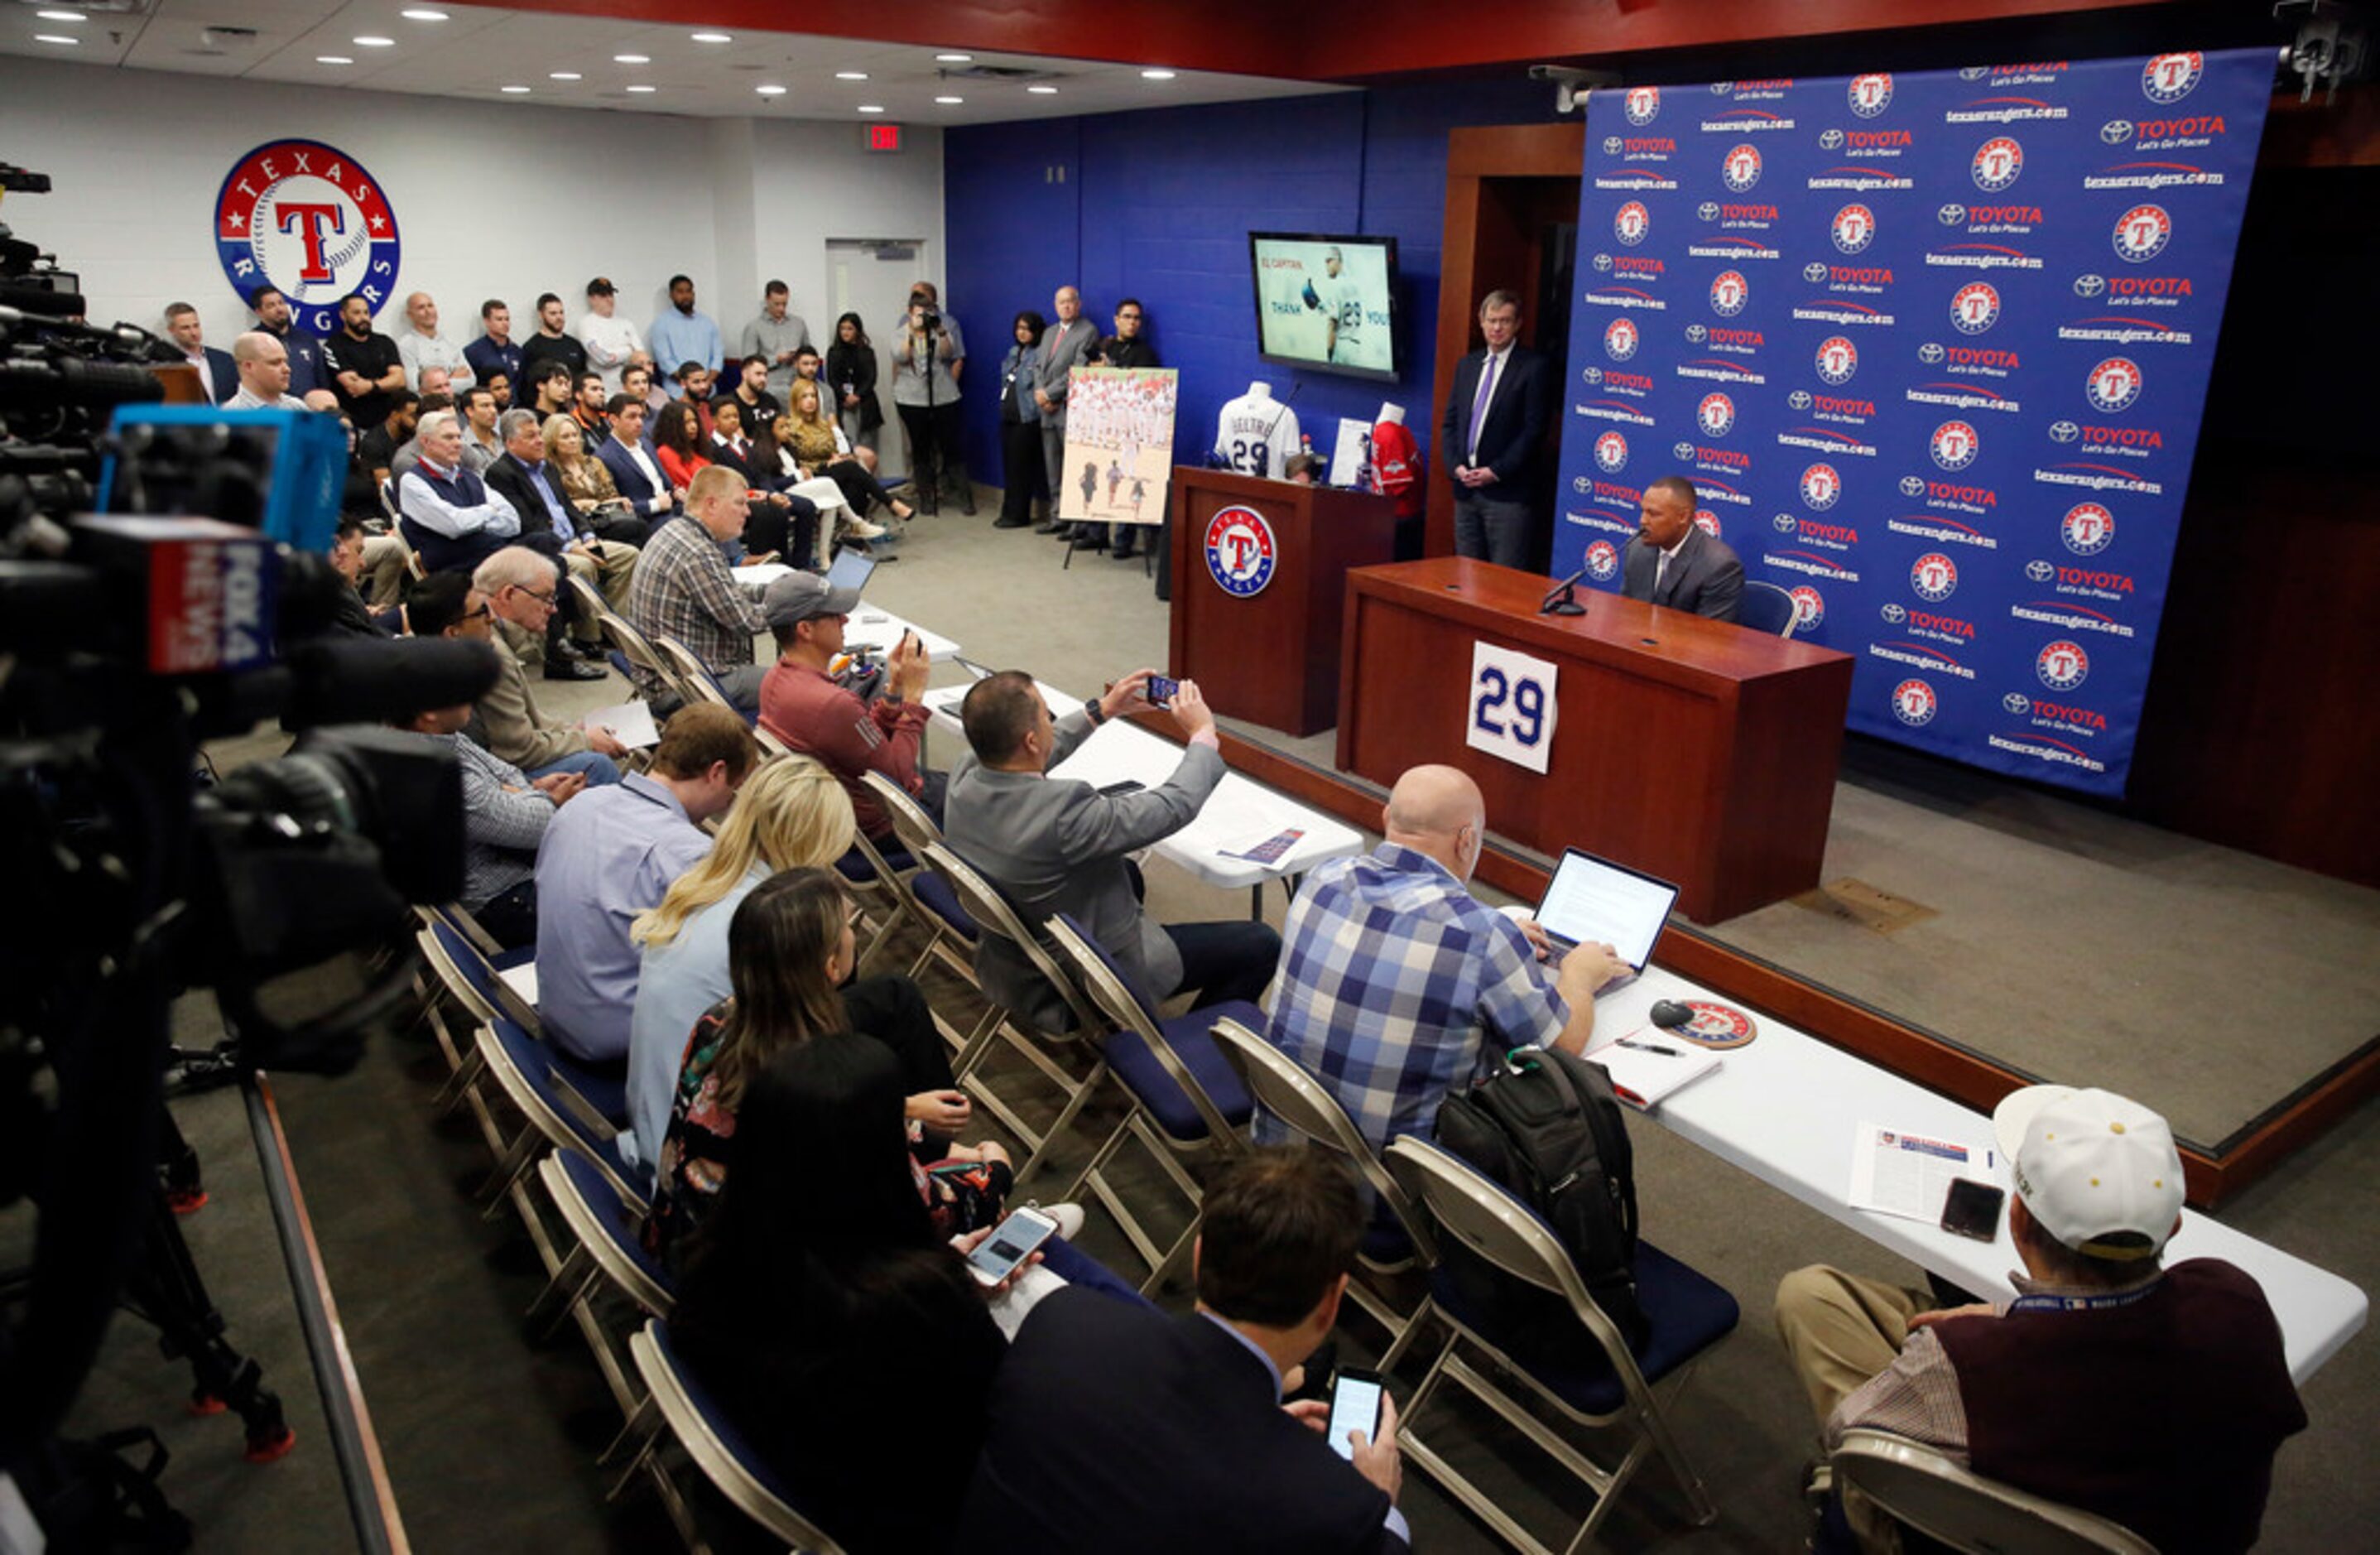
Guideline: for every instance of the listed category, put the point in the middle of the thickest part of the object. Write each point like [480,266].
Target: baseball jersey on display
[1256,434]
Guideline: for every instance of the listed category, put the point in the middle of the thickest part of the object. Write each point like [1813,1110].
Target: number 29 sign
[1511,713]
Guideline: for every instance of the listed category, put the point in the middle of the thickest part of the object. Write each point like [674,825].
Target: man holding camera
[928,354]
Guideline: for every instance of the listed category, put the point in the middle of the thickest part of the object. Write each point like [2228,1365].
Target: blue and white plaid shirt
[1396,987]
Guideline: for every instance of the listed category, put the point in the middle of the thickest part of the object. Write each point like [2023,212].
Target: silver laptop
[1594,900]
[850,569]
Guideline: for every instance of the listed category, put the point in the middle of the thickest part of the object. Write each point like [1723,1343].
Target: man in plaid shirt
[684,588]
[1396,987]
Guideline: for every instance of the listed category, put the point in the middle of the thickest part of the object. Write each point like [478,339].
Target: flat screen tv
[1326,303]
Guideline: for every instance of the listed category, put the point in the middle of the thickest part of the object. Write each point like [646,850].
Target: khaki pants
[612,573]
[384,559]
[1841,1330]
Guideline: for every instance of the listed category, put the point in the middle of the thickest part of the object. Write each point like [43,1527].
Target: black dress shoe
[1048,526]
[571,669]
[1012,523]
[1123,553]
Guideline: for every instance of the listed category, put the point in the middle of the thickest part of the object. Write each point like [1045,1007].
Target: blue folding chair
[527,1071]
[676,1399]
[607,1247]
[1177,1078]
[1764,607]
[1688,1314]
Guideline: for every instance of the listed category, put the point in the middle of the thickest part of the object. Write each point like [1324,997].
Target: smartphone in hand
[1162,690]
[1355,1407]
[1009,1243]
[1973,1208]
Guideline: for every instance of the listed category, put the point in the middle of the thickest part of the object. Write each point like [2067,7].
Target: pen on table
[1649,1048]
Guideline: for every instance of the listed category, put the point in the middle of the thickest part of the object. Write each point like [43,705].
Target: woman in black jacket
[1020,426]
[851,375]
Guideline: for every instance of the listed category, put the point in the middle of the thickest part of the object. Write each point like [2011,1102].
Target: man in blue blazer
[630,459]
[216,371]
[1492,441]
[1114,1426]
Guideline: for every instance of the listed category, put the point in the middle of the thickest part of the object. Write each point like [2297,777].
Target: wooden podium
[1702,752]
[1267,649]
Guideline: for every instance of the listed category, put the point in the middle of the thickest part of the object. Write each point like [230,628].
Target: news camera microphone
[37,384]
[1670,1015]
[361,682]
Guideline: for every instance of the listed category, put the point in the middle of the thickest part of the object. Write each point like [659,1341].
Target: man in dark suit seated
[1492,441]
[1114,1426]
[1674,562]
[630,459]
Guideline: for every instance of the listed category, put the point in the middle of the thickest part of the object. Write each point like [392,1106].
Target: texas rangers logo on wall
[307,219]
[1240,551]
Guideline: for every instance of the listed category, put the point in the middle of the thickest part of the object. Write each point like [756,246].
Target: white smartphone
[1355,1407]
[1009,1243]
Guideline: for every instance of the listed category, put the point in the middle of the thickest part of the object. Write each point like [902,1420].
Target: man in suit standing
[217,372]
[1114,1426]
[1065,346]
[1059,845]
[1492,441]
[1674,562]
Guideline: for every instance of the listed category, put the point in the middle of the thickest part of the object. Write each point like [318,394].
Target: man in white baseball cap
[2154,1396]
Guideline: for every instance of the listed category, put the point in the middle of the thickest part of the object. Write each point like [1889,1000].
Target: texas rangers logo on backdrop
[1240,551]
[2087,529]
[1715,414]
[1602,561]
[2113,384]
[1611,453]
[1999,163]
[1729,292]
[1870,96]
[1914,703]
[1809,608]
[1619,340]
[2062,665]
[307,219]
[1934,576]
[1822,487]
[2141,233]
[2169,77]
[1742,168]
[1954,446]
[1631,223]
[1975,308]
[1837,359]
[1855,228]
[1644,104]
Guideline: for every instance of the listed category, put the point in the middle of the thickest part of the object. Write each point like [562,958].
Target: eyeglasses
[546,597]
[479,614]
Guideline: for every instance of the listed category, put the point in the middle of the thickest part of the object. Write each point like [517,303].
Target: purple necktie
[1479,405]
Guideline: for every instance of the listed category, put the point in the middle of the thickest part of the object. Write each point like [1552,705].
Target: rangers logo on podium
[1870,96]
[2142,234]
[2113,384]
[1853,228]
[1954,446]
[1742,168]
[1822,487]
[2169,77]
[1837,359]
[1715,414]
[1631,223]
[1934,576]
[1619,340]
[2062,665]
[1602,561]
[1999,163]
[1976,307]
[2087,529]
[307,219]
[1914,703]
[1240,551]
[1611,453]
[1729,292]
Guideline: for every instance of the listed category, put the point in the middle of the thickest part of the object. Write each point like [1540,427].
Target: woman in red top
[774,525]
[677,442]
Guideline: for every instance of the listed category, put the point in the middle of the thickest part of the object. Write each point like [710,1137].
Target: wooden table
[1702,752]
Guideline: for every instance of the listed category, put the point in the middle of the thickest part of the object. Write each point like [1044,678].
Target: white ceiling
[477,51]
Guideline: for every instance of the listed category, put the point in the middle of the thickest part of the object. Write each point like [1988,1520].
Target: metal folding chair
[1614,1389]
[606,1250]
[1919,1487]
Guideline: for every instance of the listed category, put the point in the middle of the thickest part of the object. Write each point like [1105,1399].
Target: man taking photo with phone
[802,704]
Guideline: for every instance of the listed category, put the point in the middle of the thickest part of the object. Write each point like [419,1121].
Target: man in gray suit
[1674,562]
[1063,347]
[1058,845]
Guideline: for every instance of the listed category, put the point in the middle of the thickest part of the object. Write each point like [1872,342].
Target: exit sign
[882,137]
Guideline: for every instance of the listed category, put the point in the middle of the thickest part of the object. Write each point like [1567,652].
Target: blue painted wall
[1159,204]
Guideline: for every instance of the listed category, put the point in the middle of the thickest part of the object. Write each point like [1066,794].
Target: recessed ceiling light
[54,38]
[851,75]
[515,91]
[373,41]
[644,89]
[952,100]
[955,58]
[632,59]
[714,37]
[1157,75]
[1043,91]
[565,76]
[770,90]
[59,16]
[332,59]
[871,108]
[422,13]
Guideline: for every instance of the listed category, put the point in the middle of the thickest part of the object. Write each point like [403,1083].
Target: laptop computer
[1592,899]
[850,569]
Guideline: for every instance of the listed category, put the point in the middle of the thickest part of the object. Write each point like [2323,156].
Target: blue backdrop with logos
[1932,349]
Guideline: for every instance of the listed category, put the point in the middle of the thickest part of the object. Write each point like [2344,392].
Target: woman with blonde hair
[791,814]
[588,486]
[817,445]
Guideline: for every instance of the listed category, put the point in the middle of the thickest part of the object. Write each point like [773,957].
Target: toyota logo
[1697,333]
[1799,399]
[1785,523]
[1579,484]
[2116,131]
[1913,485]
[1708,209]
[1682,450]
[2089,286]
[1603,261]
[1951,215]
[1611,145]
[2064,431]
[2040,572]
[2018,703]
[1592,374]
[1895,613]
[1814,273]
[1832,139]
[1931,352]
[1973,72]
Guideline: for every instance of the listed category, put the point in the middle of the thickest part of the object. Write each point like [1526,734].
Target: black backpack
[1546,1127]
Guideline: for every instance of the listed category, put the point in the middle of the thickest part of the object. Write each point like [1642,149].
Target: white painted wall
[492,199]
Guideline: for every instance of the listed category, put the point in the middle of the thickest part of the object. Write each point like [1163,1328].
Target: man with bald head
[262,365]
[423,349]
[1396,986]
